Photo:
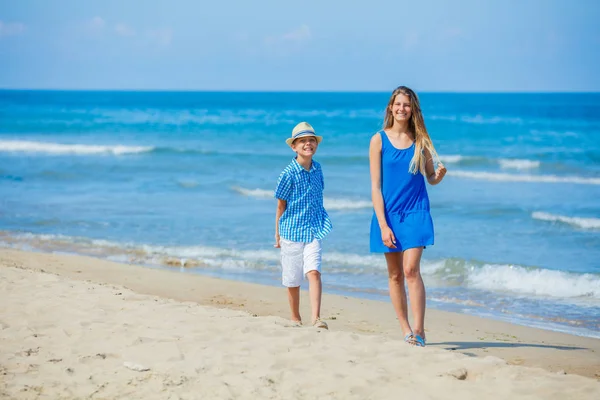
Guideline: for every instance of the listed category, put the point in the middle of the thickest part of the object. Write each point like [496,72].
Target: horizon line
[284,91]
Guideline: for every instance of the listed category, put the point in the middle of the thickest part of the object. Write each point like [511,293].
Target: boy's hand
[277,245]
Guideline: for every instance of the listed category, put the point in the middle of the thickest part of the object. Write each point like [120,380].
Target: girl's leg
[294,299]
[397,291]
[416,288]
[315,288]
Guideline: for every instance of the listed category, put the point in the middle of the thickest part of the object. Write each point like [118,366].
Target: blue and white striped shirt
[304,218]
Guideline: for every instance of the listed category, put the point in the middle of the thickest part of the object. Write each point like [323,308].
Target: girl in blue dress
[401,157]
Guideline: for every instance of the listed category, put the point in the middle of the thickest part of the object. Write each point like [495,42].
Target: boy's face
[305,146]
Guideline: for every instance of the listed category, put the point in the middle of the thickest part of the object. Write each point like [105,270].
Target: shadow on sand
[483,345]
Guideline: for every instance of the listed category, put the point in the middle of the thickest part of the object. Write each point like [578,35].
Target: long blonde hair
[416,125]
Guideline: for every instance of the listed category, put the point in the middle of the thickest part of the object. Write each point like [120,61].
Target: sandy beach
[74,327]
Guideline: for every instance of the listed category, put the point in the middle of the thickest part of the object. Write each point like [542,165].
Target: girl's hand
[440,172]
[388,238]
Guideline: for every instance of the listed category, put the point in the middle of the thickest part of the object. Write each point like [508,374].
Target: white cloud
[162,37]
[410,41]
[97,23]
[11,28]
[99,27]
[454,32]
[299,35]
[450,35]
[240,37]
[124,30]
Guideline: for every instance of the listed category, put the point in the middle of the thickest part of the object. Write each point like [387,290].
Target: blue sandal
[410,338]
[419,341]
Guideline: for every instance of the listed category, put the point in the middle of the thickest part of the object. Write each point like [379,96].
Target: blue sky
[375,45]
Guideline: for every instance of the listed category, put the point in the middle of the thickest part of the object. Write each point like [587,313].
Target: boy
[301,222]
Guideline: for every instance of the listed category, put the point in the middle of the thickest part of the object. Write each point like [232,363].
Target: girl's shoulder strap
[384,138]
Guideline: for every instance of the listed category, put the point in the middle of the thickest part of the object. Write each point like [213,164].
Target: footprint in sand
[97,357]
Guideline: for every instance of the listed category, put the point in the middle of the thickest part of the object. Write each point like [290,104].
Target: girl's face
[401,108]
[305,146]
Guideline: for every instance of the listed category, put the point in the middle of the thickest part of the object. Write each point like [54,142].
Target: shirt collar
[300,168]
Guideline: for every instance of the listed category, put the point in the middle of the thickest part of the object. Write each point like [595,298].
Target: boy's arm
[281,206]
[283,192]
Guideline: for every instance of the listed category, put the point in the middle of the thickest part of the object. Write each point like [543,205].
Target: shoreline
[474,336]
[467,303]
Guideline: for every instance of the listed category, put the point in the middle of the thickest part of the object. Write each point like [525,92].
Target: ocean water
[185,180]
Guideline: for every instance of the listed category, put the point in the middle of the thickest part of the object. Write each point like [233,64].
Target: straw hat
[301,130]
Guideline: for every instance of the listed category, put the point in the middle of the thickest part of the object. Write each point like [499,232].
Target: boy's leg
[314,291]
[294,300]
[312,270]
[291,274]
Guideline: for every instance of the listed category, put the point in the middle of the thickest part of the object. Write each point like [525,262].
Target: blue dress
[405,201]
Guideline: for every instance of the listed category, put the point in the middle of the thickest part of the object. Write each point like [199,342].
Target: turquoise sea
[185,180]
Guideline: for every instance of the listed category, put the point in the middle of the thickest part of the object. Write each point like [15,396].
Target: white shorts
[297,259]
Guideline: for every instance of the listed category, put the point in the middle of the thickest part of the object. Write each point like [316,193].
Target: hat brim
[289,141]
